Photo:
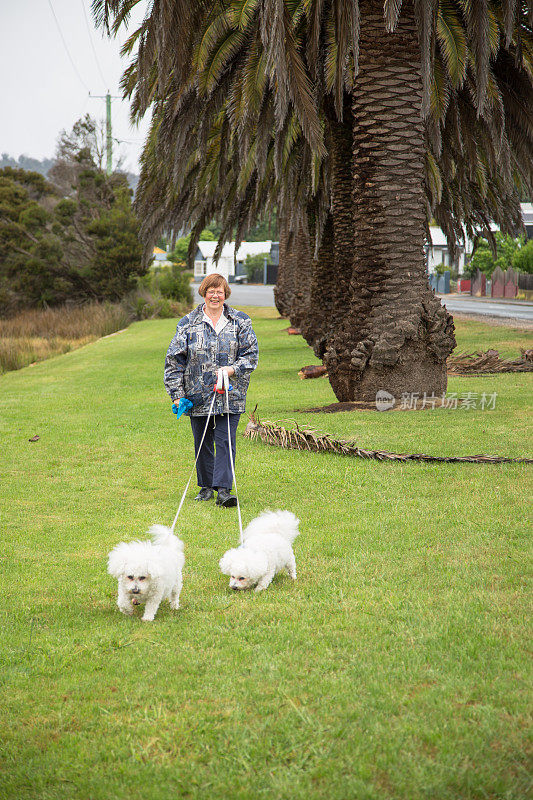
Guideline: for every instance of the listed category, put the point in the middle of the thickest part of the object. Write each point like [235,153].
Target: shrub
[483,257]
[522,260]
[254,265]
[181,248]
[56,249]
[144,304]
[170,281]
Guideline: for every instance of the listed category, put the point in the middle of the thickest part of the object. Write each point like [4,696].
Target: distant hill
[26,162]
[34,165]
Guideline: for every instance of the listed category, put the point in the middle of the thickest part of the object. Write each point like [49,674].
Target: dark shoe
[205,494]
[226,499]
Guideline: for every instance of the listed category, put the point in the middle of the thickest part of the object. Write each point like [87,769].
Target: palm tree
[436,127]
[395,335]
[422,109]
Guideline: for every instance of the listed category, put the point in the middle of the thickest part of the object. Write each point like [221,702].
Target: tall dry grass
[34,335]
[68,322]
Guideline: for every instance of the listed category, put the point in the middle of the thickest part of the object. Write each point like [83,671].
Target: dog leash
[222,386]
[225,379]
[196,459]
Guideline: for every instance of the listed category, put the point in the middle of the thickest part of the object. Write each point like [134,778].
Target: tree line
[72,236]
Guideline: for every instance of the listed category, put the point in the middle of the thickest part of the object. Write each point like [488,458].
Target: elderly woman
[212,336]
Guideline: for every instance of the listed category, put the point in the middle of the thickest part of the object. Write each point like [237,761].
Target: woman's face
[214,299]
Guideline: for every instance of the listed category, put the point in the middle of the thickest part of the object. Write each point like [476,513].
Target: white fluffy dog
[266,550]
[148,572]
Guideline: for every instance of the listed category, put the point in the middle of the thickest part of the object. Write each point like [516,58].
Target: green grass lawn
[395,667]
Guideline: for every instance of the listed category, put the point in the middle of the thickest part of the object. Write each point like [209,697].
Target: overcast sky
[42,92]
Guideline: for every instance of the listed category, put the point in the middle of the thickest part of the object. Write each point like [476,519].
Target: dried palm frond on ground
[489,362]
[303,438]
[483,362]
[313,371]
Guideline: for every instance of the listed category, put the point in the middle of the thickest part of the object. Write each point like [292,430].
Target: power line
[92,43]
[66,48]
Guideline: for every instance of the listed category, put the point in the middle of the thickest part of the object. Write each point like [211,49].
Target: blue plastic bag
[183,407]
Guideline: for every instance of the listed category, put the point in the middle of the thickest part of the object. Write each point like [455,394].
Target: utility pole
[109,141]
[109,137]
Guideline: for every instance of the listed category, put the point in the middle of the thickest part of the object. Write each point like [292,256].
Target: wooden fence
[479,285]
[504,284]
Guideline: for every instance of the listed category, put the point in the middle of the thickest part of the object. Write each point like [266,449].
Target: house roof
[438,239]
[527,213]
[157,251]
[207,249]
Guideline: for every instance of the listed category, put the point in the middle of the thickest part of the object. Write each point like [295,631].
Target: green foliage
[214,229]
[29,248]
[170,281]
[179,254]
[55,248]
[484,260]
[117,250]
[147,304]
[522,259]
[254,265]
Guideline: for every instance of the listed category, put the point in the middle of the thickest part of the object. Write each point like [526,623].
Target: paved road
[486,307]
[257,295]
[247,295]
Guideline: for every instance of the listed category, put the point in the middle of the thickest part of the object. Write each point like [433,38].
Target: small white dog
[148,572]
[266,550]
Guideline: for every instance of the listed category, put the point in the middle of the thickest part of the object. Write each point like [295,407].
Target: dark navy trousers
[213,468]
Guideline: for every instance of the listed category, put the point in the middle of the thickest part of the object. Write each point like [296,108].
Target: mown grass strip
[395,666]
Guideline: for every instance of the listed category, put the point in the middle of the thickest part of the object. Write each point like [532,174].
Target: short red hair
[213,281]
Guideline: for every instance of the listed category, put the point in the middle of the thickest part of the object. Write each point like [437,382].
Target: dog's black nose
[135,590]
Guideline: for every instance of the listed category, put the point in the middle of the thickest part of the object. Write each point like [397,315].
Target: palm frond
[391,13]
[243,13]
[451,38]
[308,439]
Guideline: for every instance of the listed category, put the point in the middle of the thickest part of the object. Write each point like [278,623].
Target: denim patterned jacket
[197,351]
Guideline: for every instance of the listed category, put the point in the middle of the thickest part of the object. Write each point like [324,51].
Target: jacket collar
[197,315]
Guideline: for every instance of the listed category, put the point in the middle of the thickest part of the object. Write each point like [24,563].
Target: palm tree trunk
[332,269]
[321,291]
[302,257]
[284,288]
[395,335]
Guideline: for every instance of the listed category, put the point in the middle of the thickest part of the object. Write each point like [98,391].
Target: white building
[438,252]
[160,258]
[527,213]
[204,264]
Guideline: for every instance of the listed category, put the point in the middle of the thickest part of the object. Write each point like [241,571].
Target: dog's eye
[142,577]
[241,579]
[130,577]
